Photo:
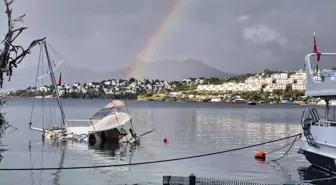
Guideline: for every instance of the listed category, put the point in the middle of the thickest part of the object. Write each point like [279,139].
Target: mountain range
[168,70]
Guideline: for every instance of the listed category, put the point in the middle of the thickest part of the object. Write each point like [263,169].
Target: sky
[234,36]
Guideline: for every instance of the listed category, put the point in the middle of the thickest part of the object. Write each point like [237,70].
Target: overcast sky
[234,36]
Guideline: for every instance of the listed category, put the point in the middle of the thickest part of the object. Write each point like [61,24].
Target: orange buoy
[260,155]
[165,140]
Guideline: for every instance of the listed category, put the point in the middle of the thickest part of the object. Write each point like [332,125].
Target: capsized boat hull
[120,134]
[109,122]
[113,128]
[111,136]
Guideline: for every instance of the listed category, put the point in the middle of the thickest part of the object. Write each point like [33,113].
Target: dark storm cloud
[234,36]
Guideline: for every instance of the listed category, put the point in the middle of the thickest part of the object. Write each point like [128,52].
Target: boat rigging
[111,123]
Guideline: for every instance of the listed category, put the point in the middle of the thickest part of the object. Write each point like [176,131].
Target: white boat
[318,142]
[215,100]
[110,123]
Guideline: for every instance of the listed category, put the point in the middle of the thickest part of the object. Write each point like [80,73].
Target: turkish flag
[60,79]
[315,49]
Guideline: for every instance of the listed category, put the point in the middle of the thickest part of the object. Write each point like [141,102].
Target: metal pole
[53,80]
[327,112]
[192,179]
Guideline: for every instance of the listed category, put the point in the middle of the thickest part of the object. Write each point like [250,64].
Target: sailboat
[110,123]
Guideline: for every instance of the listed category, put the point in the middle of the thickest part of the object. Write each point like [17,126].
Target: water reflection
[2,150]
[3,126]
[192,128]
[97,154]
[246,127]
[113,151]
[316,176]
[56,179]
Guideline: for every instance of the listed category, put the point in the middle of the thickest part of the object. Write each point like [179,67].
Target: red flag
[315,49]
[60,79]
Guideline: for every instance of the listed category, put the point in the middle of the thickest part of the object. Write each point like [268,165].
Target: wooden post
[166,180]
[192,179]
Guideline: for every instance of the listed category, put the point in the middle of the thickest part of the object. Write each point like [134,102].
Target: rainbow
[160,33]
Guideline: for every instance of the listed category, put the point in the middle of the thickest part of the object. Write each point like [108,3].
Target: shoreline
[158,100]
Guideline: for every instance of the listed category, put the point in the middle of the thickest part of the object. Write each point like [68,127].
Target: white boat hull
[115,120]
[323,156]
[111,134]
[318,142]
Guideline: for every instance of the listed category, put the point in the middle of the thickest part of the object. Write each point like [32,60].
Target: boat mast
[53,80]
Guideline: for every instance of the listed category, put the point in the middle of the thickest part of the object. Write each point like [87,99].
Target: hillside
[168,70]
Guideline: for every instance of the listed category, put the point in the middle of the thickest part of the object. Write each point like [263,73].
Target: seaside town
[267,87]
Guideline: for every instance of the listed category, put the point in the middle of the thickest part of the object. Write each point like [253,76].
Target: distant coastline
[269,87]
[171,100]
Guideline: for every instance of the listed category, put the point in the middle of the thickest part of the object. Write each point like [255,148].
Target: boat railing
[330,120]
[312,115]
[324,123]
[312,72]
[319,83]
[324,76]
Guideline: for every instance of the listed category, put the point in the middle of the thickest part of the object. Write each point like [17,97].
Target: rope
[66,68]
[42,85]
[30,161]
[296,138]
[36,81]
[149,162]
[41,164]
[129,116]
[285,172]
[277,149]
[146,133]
[50,113]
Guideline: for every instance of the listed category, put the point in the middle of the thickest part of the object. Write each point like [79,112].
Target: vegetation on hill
[156,89]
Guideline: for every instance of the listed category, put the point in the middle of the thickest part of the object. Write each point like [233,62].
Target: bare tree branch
[12,54]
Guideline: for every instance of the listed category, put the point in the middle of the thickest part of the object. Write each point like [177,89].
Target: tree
[11,55]
[131,80]
[147,82]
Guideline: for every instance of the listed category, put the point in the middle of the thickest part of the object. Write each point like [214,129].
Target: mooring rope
[146,133]
[296,138]
[282,147]
[150,162]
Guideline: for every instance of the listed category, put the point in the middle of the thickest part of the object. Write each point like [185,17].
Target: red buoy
[165,140]
[260,155]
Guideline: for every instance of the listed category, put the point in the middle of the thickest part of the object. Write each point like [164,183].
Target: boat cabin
[321,84]
[111,123]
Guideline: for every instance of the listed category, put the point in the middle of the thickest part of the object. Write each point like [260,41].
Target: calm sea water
[191,128]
